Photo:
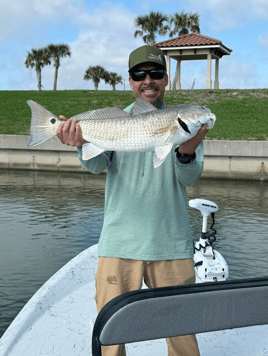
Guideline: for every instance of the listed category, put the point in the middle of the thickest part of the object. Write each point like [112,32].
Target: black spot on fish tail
[53,121]
[183,125]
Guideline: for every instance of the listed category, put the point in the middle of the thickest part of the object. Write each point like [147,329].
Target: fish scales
[120,134]
[112,129]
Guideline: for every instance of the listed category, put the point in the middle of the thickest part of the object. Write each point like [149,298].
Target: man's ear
[166,79]
[130,82]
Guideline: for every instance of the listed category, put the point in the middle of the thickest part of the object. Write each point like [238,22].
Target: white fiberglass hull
[58,320]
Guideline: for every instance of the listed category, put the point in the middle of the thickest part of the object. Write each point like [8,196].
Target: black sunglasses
[153,73]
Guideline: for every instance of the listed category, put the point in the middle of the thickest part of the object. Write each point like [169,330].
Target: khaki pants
[116,276]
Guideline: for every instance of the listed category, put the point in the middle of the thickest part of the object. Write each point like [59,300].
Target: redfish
[112,129]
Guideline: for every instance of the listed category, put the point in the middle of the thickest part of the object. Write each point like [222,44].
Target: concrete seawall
[223,159]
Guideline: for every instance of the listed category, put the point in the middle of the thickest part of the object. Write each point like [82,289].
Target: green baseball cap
[146,54]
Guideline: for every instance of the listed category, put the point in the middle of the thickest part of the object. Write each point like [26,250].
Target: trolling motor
[210,266]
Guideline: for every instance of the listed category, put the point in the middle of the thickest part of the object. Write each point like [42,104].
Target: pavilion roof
[192,39]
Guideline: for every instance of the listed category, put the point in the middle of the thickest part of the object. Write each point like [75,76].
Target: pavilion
[191,47]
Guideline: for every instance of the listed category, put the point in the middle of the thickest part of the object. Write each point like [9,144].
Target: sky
[102,33]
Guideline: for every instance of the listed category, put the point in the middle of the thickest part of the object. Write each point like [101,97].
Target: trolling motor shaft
[206,208]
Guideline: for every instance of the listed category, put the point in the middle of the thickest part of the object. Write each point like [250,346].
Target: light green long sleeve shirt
[145,215]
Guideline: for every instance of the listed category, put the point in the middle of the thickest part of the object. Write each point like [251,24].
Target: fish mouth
[183,125]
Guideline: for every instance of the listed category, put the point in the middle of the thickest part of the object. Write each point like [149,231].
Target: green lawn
[241,114]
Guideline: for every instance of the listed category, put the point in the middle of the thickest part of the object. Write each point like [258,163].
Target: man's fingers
[69,132]
[59,131]
[65,132]
[72,132]
[66,128]
[78,132]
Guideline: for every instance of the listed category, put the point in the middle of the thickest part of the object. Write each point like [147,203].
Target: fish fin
[102,114]
[141,106]
[89,151]
[44,124]
[161,153]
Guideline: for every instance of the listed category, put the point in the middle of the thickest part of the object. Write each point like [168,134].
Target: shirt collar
[160,105]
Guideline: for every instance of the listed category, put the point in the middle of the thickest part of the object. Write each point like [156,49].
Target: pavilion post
[216,83]
[168,72]
[208,83]
[178,75]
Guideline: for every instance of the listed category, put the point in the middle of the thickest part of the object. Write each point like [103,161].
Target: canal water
[48,218]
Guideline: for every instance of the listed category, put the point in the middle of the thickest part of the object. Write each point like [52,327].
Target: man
[146,230]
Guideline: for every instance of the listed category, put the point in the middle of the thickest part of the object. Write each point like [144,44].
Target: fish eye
[183,125]
[53,120]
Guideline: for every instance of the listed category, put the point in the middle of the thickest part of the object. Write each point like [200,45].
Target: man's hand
[69,132]
[190,146]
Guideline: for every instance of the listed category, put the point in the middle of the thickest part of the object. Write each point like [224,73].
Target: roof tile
[192,39]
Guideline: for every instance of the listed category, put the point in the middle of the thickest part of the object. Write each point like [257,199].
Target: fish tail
[44,124]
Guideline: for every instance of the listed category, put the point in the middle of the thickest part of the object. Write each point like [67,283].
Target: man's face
[149,89]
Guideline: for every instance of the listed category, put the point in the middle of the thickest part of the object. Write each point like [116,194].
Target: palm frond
[184,22]
[137,32]
[151,25]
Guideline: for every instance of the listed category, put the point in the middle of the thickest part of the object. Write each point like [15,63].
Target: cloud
[3,65]
[23,17]
[104,36]
[237,75]
[227,14]
[103,41]
[233,74]
[263,40]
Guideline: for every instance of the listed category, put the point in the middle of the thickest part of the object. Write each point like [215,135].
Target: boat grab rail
[157,313]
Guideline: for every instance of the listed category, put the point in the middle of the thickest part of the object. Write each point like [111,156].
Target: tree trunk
[55,78]
[38,74]
[96,85]
[113,86]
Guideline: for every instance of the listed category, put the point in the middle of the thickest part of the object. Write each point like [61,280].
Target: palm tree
[193,22]
[184,22]
[152,24]
[38,58]
[56,52]
[96,74]
[113,78]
